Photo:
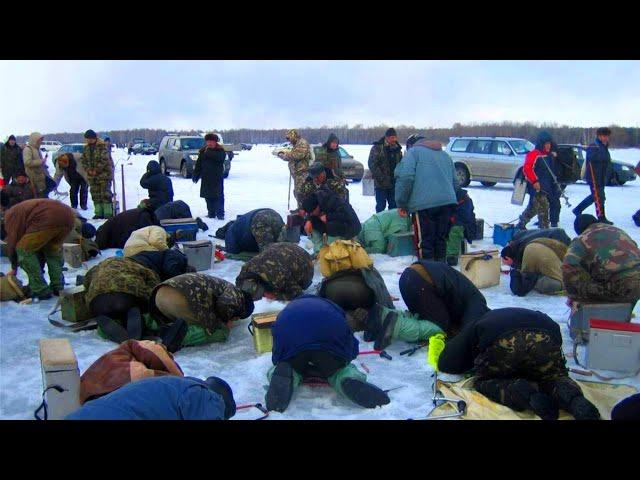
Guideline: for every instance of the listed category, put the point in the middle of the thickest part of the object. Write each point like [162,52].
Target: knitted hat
[90,134]
[391,132]
[222,388]
[582,222]
[413,138]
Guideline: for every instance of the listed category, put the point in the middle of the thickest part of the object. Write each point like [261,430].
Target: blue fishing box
[401,244]
[503,233]
[184,229]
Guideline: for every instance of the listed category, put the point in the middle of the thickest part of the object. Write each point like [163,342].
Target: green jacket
[375,232]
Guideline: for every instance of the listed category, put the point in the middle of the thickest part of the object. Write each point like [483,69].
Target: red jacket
[529,165]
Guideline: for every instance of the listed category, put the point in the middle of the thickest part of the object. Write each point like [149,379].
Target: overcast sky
[57,96]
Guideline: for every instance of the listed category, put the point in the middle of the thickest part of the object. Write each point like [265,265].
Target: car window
[65,148]
[500,148]
[460,145]
[78,148]
[192,143]
[481,146]
[521,147]
[343,152]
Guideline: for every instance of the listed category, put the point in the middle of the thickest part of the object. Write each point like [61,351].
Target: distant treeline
[622,137]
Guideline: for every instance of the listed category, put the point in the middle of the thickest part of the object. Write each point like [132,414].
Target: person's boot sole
[173,337]
[280,389]
[364,394]
[385,335]
[373,322]
[583,409]
[112,329]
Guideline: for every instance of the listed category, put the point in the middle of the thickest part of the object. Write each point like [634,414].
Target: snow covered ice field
[258,179]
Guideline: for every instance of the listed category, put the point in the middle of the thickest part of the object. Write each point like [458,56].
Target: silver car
[488,160]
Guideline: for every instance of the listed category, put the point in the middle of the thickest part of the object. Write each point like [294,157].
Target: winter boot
[544,406]
[175,334]
[554,225]
[603,219]
[134,323]
[201,225]
[373,322]
[385,325]
[30,263]
[363,393]
[577,211]
[583,409]
[98,210]
[385,334]
[112,329]
[280,388]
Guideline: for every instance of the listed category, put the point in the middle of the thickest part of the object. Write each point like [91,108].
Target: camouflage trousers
[539,205]
[100,190]
[298,190]
[623,288]
[524,355]
[266,227]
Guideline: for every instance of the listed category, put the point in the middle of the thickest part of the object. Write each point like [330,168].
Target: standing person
[36,167]
[210,167]
[554,196]
[540,184]
[96,161]
[38,227]
[159,185]
[11,159]
[298,158]
[598,169]
[384,156]
[75,176]
[329,156]
[426,187]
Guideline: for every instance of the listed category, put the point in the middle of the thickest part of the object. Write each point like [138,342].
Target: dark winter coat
[463,299]
[460,352]
[598,160]
[331,159]
[383,159]
[161,398]
[167,263]
[173,210]
[158,184]
[238,237]
[342,220]
[522,239]
[71,173]
[10,161]
[535,170]
[17,193]
[312,323]
[115,232]
[210,169]
[465,215]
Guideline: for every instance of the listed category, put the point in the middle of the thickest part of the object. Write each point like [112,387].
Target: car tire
[462,172]
[489,184]
[163,167]
[184,171]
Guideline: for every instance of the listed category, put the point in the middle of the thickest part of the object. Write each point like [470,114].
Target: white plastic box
[614,346]
[199,254]
[59,368]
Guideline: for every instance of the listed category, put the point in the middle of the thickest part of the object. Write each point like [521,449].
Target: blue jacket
[425,178]
[159,398]
[239,237]
[312,323]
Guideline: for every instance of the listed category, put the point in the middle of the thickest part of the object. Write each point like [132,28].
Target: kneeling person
[311,338]
[282,272]
[518,361]
[376,231]
[253,231]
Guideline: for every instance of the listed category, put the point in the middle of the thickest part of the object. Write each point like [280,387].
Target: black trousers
[114,305]
[596,196]
[431,227]
[82,187]
[422,298]
[554,209]
[316,363]
[384,197]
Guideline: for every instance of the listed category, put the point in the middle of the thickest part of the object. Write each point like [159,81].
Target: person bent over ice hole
[518,361]
[311,338]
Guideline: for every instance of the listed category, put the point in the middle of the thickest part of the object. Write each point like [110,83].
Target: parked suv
[179,153]
[488,160]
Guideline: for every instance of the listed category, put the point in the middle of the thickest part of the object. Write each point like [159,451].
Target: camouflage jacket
[213,301]
[334,184]
[299,158]
[120,275]
[97,162]
[331,159]
[284,268]
[383,159]
[598,260]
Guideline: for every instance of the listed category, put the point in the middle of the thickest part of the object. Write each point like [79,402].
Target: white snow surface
[259,179]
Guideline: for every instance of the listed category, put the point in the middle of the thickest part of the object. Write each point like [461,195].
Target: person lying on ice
[118,290]
[195,309]
[311,338]
[163,398]
[254,231]
[38,227]
[437,292]
[281,272]
[602,264]
[518,361]
[327,214]
[376,231]
[539,266]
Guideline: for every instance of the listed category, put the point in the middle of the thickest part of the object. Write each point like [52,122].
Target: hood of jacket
[153,167]
[431,144]
[543,137]
[332,138]
[34,137]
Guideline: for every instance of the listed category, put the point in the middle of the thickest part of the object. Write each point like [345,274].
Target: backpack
[342,255]
[11,288]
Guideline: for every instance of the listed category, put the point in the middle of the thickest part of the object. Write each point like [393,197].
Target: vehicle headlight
[193,157]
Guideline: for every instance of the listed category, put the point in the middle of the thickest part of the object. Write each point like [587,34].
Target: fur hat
[211,137]
[90,134]
[391,132]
